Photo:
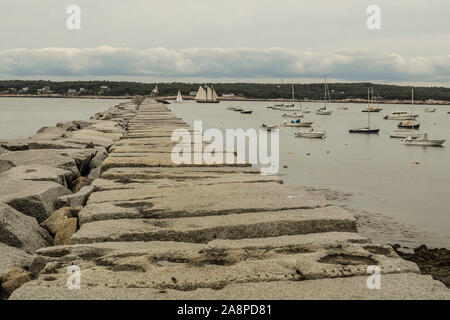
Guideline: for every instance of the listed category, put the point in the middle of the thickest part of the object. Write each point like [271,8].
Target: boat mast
[412,103]
[293,100]
[282,91]
[368,107]
[325,91]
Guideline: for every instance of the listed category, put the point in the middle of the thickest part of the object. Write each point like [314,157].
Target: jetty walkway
[155,230]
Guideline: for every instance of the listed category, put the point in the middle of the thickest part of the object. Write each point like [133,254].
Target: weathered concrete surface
[232,198]
[404,286]
[21,231]
[195,180]
[208,228]
[12,257]
[39,172]
[176,173]
[159,159]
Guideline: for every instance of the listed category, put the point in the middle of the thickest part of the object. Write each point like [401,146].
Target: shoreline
[170,98]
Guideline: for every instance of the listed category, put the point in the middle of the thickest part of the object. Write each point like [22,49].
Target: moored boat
[430,109]
[423,141]
[401,115]
[409,125]
[246,111]
[293,115]
[296,123]
[311,134]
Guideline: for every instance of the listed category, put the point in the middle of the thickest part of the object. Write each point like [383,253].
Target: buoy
[308,154]
[285,167]
[328,151]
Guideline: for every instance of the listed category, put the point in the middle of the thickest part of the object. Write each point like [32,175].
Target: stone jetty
[104,195]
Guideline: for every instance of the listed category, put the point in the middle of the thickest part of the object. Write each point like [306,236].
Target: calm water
[22,117]
[396,200]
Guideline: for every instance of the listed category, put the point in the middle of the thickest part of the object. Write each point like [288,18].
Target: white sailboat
[179,97]
[206,95]
[323,111]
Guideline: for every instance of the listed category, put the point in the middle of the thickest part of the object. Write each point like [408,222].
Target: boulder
[79,183]
[65,233]
[77,199]
[82,157]
[67,126]
[14,279]
[21,231]
[97,161]
[38,172]
[33,198]
[51,158]
[12,257]
[94,174]
[57,218]
[49,133]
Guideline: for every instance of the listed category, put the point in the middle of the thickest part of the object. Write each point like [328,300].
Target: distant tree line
[313,91]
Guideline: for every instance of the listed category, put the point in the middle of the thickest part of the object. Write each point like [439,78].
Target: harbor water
[400,194]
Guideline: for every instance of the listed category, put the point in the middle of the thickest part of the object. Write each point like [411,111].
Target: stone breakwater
[148,229]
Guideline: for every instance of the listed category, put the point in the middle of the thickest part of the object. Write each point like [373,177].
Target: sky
[232,40]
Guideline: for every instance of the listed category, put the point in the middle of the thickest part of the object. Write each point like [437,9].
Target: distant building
[24,89]
[83,90]
[72,91]
[193,93]
[103,89]
[228,95]
[44,90]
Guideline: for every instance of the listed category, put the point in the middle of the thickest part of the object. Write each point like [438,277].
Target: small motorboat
[247,111]
[296,123]
[231,108]
[401,115]
[409,125]
[268,127]
[311,133]
[238,109]
[423,141]
[430,109]
[293,115]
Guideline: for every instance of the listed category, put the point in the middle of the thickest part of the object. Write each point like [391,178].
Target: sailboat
[423,140]
[206,95]
[323,110]
[179,97]
[371,108]
[368,129]
[290,107]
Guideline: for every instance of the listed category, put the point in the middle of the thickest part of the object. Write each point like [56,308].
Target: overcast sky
[232,40]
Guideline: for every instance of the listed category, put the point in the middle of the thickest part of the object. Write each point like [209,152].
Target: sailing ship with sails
[206,95]
[179,97]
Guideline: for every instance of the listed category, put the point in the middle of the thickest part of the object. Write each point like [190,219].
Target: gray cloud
[231,63]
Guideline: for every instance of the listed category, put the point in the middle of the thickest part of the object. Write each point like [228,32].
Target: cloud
[233,63]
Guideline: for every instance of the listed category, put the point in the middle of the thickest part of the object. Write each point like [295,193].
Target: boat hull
[207,101]
[401,117]
[364,131]
[424,143]
[311,135]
